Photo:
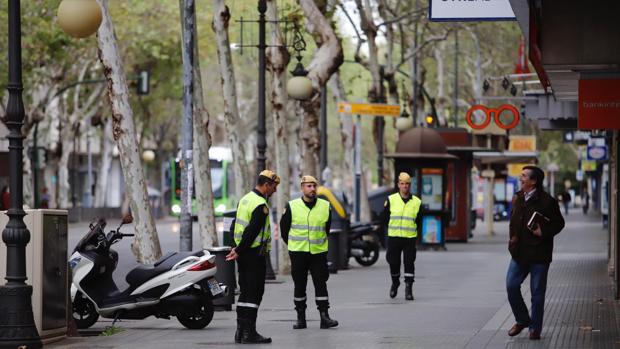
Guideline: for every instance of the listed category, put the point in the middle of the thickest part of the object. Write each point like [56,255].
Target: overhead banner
[472,10]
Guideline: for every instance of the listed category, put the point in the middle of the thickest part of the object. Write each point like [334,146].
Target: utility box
[46,269]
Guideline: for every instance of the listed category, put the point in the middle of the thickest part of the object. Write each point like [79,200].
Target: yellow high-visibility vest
[307,233]
[246,206]
[403,215]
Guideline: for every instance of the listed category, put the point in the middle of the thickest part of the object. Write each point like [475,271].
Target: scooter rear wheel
[84,312]
[200,319]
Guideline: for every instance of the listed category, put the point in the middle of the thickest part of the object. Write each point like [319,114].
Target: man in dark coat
[531,248]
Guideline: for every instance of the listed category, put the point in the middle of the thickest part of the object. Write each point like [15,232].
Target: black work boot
[249,334]
[409,291]
[394,289]
[239,332]
[301,319]
[326,321]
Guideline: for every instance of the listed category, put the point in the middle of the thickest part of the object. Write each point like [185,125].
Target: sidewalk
[460,303]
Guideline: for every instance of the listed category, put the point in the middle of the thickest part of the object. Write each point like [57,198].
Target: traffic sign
[369,109]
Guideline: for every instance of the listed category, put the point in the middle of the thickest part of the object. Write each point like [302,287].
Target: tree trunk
[311,136]
[28,184]
[346,135]
[221,18]
[201,145]
[107,144]
[277,61]
[67,139]
[325,62]
[146,246]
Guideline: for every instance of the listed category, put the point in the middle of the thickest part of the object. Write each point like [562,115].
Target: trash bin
[229,221]
[338,250]
[226,275]
[343,248]
[333,250]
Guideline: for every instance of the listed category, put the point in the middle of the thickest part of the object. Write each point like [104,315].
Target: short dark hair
[537,174]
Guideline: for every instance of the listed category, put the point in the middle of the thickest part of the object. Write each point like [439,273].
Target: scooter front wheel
[370,257]
[201,318]
[84,312]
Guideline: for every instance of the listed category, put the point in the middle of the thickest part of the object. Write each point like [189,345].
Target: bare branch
[76,95]
[417,14]
[94,96]
[346,13]
[421,47]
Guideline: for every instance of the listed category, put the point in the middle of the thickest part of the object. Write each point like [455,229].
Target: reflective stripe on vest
[246,206]
[307,233]
[402,216]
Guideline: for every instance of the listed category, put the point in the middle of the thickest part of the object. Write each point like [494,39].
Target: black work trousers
[316,264]
[405,246]
[251,267]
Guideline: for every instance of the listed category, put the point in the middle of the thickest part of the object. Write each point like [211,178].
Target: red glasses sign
[492,113]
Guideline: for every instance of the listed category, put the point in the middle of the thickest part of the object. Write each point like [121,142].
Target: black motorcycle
[364,243]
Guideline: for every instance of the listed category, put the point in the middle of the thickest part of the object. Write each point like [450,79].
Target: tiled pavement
[460,303]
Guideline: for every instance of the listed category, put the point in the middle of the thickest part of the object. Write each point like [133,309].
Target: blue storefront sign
[597,153]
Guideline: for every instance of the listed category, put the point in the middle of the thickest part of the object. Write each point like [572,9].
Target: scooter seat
[143,273]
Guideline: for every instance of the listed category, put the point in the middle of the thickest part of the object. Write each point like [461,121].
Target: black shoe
[409,291]
[239,331]
[394,290]
[326,321]
[249,334]
[301,320]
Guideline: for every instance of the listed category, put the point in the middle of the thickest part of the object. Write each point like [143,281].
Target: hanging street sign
[486,10]
[369,109]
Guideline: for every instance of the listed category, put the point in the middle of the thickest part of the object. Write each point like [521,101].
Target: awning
[506,157]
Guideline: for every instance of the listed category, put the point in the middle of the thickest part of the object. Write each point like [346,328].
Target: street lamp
[17,328]
[404,122]
[299,86]
[79,18]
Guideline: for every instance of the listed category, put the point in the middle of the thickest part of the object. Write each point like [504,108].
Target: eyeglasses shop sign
[470,10]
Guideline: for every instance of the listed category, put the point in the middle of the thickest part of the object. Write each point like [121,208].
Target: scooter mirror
[127,219]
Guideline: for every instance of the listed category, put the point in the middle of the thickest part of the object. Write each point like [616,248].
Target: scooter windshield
[91,237]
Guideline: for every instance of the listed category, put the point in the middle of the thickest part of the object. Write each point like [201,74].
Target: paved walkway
[460,303]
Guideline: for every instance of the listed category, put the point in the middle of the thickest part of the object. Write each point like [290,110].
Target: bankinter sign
[599,104]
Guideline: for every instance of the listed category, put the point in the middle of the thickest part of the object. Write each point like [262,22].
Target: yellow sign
[522,143]
[369,109]
[514,170]
[588,166]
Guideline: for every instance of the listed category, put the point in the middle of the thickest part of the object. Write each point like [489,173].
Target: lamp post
[261,142]
[17,329]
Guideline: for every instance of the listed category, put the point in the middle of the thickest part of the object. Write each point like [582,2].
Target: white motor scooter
[180,284]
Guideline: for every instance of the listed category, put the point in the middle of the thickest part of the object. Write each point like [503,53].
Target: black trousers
[316,264]
[405,246]
[251,267]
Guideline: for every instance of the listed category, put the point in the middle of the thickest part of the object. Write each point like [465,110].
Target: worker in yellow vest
[304,227]
[402,218]
[253,239]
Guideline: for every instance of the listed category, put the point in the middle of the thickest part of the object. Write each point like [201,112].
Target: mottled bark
[201,145]
[146,246]
[221,20]
[326,61]
[277,61]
